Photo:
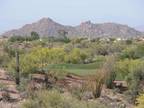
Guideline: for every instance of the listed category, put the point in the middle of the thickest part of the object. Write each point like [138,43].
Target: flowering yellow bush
[140,101]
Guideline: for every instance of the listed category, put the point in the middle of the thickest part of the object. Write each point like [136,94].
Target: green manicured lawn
[75,66]
[82,71]
[79,69]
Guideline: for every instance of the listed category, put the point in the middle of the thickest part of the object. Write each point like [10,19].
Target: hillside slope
[47,27]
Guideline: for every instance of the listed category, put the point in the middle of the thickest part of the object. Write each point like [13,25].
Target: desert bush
[2,87]
[131,71]
[33,36]
[129,41]
[75,56]
[79,92]
[135,79]
[110,72]
[9,50]
[122,68]
[53,99]
[16,38]
[95,83]
[62,36]
[39,58]
[23,84]
[140,101]
[102,49]
[106,48]
[133,52]
[4,59]
[105,75]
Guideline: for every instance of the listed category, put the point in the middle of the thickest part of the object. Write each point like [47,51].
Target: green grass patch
[82,71]
[74,66]
[79,69]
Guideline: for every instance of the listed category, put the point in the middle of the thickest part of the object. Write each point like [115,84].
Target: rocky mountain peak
[86,23]
[45,19]
[47,27]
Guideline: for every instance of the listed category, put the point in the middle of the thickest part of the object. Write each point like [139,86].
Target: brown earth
[9,95]
[108,97]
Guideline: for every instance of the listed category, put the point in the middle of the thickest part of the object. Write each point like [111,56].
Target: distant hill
[140,28]
[48,28]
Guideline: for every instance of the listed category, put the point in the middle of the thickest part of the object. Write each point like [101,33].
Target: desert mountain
[140,28]
[47,27]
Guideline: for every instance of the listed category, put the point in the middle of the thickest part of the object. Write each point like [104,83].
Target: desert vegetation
[74,73]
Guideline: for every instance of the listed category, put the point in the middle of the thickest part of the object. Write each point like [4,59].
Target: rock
[87,96]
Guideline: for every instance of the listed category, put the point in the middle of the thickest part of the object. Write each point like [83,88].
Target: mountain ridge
[47,27]
[140,28]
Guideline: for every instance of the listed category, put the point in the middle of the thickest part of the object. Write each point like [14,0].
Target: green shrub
[135,79]
[39,58]
[133,52]
[53,99]
[75,56]
[4,60]
[16,38]
[34,35]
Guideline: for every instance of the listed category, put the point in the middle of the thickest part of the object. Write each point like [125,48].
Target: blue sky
[15,13]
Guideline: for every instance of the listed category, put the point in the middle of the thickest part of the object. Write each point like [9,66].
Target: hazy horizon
[16,13]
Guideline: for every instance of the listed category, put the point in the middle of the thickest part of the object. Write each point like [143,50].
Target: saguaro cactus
[17,68]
